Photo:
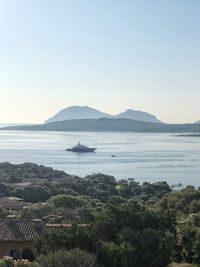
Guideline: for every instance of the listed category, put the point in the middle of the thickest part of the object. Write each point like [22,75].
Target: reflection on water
[144,156]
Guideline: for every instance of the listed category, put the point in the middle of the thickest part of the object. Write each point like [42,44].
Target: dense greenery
[123,223]
[70,258]
[124,235]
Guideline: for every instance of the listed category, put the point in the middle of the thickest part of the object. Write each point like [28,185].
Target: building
[17,236]
[13,204]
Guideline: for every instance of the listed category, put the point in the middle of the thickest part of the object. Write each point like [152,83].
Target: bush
[10,262]
[67,201]
[71,258]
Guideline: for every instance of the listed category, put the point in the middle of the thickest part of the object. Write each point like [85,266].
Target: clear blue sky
[109,54]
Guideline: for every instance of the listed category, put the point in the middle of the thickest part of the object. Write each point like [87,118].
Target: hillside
[85,112]
[106,124]
[81,212]
[77,112]
[138,116]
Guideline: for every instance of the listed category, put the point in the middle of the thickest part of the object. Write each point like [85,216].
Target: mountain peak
[77,112]
[85,112]
[138,115]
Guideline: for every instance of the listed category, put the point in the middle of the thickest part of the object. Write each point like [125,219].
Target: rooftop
[25,230]
[20,230]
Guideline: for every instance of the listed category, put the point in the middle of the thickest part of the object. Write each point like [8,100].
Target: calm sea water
[143,156]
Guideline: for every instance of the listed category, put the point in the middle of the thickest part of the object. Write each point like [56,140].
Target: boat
[81,148]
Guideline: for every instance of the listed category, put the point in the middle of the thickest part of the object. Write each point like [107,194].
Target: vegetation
[115,223]
[10,262]
[71,258]
[182,265]
[27,171]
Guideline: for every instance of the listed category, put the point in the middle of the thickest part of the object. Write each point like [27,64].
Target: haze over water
[143,156]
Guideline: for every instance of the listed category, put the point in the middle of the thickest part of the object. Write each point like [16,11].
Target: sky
[107,54]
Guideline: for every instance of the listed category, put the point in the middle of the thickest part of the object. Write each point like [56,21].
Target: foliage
[125,223]
[184,201]
[67,201]
[127,235]
[133,236]
[68,238]
[189,238]
[15,173]
[10,262]
[72,258]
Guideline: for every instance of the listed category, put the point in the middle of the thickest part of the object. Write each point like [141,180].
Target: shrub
[71,258]
[10,262]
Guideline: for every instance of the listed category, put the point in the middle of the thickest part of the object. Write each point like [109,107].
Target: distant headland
[109,125]
[85,112]
[84,118]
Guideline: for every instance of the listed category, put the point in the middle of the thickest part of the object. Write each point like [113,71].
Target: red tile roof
[27,230]
[20,230]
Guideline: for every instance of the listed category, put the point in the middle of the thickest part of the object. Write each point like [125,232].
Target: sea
[149,157]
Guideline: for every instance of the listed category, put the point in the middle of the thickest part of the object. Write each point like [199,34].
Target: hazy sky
[108,54]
